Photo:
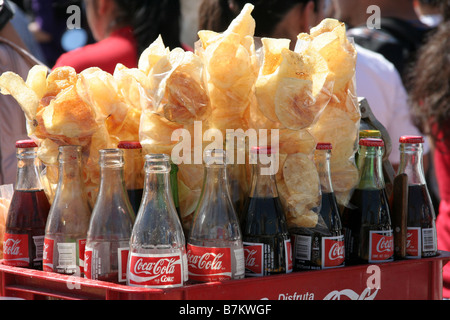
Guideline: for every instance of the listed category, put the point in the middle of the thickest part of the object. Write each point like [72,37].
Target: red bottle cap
[411,139]
[263,150]
[26,144]
[129,145]
[371,142]
[324,146]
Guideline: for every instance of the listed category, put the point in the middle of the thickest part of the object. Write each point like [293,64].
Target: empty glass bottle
[157,247]
[111,223]
[68,220]
[214,248]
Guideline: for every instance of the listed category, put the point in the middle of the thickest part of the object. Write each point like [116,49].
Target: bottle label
[47,264]
[208,264]
[259,258]
[156,270]
[381,246]
[66,255]
[15,250]
[413,243]
[254,263]
[81,251]
[288,254]
[420,240]
[93,264]
[333,252]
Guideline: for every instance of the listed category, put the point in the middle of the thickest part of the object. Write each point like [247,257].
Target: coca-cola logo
[385,244]
[250,257]
[208,260]
[209,263]
[337,251]
[155,270]
[161,266]
[12,247]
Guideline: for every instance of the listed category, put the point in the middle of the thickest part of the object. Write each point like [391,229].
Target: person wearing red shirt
[123,30]
[430,98]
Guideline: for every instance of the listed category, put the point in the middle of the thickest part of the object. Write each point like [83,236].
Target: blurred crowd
[402,69]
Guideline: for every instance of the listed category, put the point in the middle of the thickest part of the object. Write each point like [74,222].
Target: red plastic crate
[406,280]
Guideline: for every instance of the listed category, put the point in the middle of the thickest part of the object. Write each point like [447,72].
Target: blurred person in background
[123,29]
[429,11]
[47,26]
[430,101]
[15,58]
[400,31]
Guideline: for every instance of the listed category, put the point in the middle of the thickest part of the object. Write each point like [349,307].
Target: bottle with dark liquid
[321,247]
[68,220]
[28,212]
[366,218]
[133,171]
[421,235]
[111,224]
[267,245]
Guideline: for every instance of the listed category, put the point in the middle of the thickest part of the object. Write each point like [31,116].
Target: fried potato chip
[12,84]
[272,57]
[152,55]
[293,103]
[243,24]
[300,175]
[37,80]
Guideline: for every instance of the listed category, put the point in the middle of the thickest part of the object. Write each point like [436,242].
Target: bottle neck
[263,185]
[370,168]
[157,189]
[411,163]
[322,161]
[215,182]
[28,167]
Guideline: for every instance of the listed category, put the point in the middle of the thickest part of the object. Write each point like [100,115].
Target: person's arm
[7,31]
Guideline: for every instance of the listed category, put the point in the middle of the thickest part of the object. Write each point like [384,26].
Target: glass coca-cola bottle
[332,241]
[68,220]
[157,246]
[322,246]
[267,245]
[27,215]
[214,248]
[133,171]
[366,218]
[112,219]
[421,218]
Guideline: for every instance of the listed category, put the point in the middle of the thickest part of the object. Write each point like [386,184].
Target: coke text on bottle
[68,220]
[28,211]
[267,245]
[157,245]
[214,249]
[366,218]
[421,235]
[110,227]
